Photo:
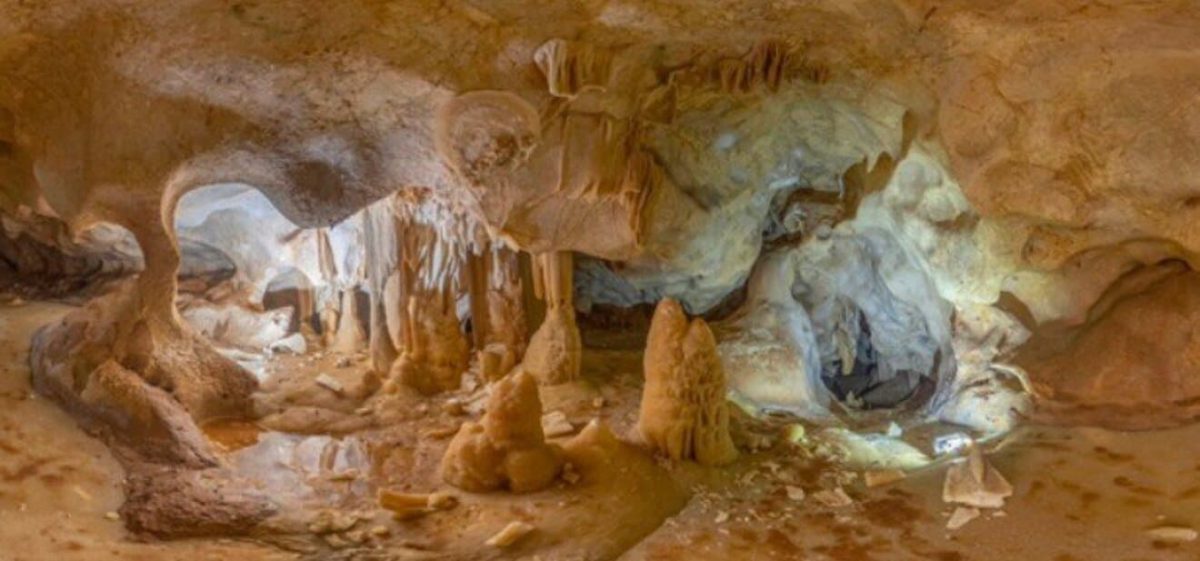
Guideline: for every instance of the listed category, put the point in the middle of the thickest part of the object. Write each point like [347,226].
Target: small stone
[598,402]
[1173,534]
[894,430]
[381,531]
[555,424]
[833,498]
[335,541]
[795,493]
[569,474]
[343,362]
[511,534]
[442,500]
[721,517]
[962,515]
[402,502]
[329,382]
[112,515]
[975,483]
[878,477]
[438,432]
[82,494]
[454,407]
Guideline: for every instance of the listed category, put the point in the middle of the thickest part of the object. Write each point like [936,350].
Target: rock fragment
[511,534]
[1176,534]
[555,424]
[329,382]
[961,516]
[974,482]
[833,498]
[880,477]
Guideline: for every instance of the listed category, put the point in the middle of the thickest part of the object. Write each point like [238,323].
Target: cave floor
[1080,493]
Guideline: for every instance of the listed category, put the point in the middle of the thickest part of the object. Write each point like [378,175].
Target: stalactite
[329,301]
[350,337]
[497,310]
[435,352]
[382,254]
[554,355]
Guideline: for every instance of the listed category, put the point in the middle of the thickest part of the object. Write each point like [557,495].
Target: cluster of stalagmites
[684,414]
[507,448]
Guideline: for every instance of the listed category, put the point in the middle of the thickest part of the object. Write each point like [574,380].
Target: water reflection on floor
[1080,494]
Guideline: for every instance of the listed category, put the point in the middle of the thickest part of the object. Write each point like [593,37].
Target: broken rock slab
[961,517]
[511,534]
[1175,534]
[974,482]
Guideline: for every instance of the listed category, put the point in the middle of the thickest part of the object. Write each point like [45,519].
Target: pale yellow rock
[507,448]
[1173,534]
[974,482]
[961,516]
[879,477]
[683,414]
[511,534]
[329,382]
[833,498]
[555,424]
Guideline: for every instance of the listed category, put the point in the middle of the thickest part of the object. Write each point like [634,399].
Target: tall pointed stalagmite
[554,355]
[684,414]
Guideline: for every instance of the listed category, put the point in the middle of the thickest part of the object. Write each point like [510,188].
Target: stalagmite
[507,449]
[554,355]
[330,302]
[381,251]
[684,414]
[909,225]
[350,337]
[435,353]
[497,310]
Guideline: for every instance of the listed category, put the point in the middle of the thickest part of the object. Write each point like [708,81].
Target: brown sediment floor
[1080,494]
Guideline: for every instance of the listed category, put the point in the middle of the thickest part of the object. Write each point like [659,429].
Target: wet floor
[57,485]
[1080,494]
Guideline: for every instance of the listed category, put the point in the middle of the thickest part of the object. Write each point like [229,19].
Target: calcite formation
[554,352]
[506,449]
[972,213]
[976,483]
[683,413]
